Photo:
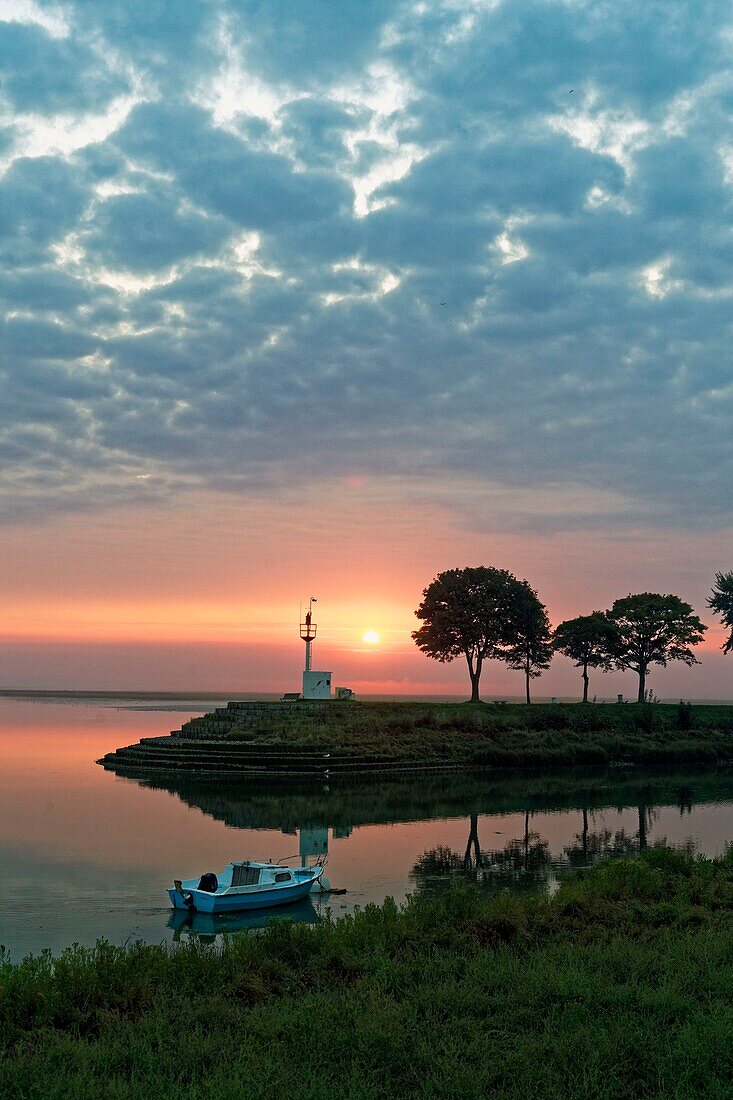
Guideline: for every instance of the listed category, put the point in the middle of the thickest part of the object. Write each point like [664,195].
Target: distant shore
[255,696]
[174,696]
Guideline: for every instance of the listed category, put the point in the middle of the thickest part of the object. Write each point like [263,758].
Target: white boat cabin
[260,874]
[248,877]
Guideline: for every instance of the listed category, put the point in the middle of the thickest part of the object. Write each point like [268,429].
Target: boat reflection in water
[519,832]
[208,927]
[313,843]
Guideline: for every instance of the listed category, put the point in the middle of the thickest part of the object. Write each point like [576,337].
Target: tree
[466,612]
[653,629]
[531,646]
[588,641]
[721,601]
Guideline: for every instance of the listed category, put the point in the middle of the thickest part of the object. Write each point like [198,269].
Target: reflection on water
[210,926]
[527,863]
[86,853]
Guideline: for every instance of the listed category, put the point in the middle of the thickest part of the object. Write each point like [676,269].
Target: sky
[325,297]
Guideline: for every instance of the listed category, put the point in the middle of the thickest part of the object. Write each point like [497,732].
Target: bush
[464,723]
[685,720]
[588,720]
[646,719]
[591,754]
[552,718]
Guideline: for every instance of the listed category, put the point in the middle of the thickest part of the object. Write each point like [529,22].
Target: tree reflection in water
[523,863]
[526,862]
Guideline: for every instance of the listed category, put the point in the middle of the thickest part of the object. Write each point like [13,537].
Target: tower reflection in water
[567,821]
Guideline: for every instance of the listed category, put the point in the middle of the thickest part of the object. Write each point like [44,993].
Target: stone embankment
[244,717]
[219,744]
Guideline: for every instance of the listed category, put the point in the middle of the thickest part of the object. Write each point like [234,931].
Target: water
[85,853]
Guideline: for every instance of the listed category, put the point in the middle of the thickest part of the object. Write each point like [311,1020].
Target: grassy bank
[508,735]
[620,985]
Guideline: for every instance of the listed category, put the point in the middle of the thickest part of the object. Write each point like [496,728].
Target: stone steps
[239,750]
[240,762]
[218,744]
[247,716]
[163,754]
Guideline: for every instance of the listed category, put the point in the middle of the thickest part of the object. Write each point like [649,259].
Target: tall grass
[620,985]
[512,735]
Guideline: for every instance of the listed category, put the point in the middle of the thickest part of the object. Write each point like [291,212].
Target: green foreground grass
[621,985]
[509,735]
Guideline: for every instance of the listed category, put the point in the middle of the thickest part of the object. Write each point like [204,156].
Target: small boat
[245,885]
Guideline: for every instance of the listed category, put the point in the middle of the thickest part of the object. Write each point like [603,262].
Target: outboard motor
[187,898]
[209,883]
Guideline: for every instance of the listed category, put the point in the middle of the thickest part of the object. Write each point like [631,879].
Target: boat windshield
[245,875]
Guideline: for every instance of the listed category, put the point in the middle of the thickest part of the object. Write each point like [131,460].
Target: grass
[620,985]
[509,735]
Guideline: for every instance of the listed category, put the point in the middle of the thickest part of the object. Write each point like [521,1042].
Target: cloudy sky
[329,295]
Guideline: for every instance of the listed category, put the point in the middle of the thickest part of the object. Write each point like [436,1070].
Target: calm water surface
[85,853]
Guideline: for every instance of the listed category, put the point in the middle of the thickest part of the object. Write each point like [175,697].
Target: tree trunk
[526,681]
[585,682]
[475,675]
[585,835]
[642,827]
[642,685]
[473,842]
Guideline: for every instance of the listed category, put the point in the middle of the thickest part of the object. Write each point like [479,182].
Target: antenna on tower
[316,685]
[308,631]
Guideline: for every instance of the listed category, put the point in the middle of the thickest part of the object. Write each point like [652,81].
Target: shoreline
[605,988]
[334,740]
[456,699]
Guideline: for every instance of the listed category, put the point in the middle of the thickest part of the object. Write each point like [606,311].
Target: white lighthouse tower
[316,684]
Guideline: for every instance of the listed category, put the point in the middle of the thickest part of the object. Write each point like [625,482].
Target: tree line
[483,614]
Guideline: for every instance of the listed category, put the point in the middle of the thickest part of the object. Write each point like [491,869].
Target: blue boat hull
[239,903]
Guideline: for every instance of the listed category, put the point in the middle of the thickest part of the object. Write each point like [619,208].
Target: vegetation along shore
[480,614]
[345,740]
[618,985]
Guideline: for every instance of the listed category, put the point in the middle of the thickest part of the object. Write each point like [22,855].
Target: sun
[371,637]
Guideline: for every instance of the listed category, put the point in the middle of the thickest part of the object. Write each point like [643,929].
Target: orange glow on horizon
[144,598]
[232,623]
[166,621]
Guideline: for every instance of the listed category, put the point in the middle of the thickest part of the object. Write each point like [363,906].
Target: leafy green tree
[467,613]
[653,629]
[530,649]
[587,640]
[721,601]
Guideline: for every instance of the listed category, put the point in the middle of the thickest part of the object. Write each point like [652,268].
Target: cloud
[45,75]
[169,44]
[146,232]
[318,130]
[450,242]
[325,41]
[41,199]
[257,189]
